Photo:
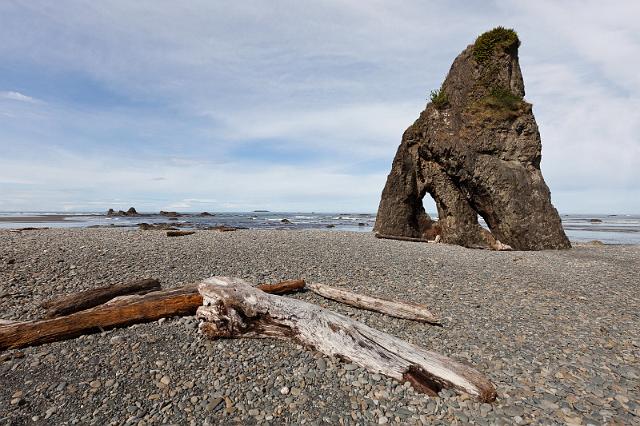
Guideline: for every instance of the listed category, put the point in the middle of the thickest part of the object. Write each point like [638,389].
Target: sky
[289,105]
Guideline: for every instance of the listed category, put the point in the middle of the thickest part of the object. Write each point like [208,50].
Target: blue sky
[291,106]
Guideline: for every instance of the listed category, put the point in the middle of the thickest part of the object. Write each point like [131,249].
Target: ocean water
[610,229]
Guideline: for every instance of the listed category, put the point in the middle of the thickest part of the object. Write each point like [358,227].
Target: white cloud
[589,133]
[181,205]
[17,96]
[370,130]
[201,200]
[604,39]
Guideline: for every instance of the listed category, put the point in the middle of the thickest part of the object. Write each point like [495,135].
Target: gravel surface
[556,332]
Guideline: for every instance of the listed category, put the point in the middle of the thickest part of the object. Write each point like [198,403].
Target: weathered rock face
[476,149]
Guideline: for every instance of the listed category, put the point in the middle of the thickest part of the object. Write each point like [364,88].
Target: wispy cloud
[367,130]
[17,96]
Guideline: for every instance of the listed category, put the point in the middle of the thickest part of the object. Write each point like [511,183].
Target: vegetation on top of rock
[487,42]
[439,98]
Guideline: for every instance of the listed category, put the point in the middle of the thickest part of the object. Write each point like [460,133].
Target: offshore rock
[170,214]
[476,150]
[131,212]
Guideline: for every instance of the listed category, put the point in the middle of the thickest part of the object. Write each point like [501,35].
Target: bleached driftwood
[405,310]
[69,303]
[118,312]
[233,308]
[4,322]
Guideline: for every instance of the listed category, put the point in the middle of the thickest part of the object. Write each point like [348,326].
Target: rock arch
[476,150]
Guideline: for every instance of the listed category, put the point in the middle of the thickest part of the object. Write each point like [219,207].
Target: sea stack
[476,150]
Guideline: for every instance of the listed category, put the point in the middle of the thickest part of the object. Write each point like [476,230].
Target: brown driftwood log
[491,243]
[67,304]
[233,308]
[223,228]
[156,227]
[282,287]
[398,309]
[179,233]
[396,237]
[118,312]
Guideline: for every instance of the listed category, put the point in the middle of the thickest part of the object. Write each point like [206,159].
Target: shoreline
[610,230]
[555,331]
[38,218]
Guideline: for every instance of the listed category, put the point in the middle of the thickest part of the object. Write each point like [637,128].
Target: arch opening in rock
[429,206]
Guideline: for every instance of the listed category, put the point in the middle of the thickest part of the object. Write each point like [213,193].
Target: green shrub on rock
[439,98]
[498,37]
[499,104]
[502,98]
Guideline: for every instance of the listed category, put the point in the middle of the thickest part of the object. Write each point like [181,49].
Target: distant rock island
[172,215]
[476,150]
[169,214]
[131,212]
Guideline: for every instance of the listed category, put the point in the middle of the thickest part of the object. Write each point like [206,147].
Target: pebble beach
[557,332]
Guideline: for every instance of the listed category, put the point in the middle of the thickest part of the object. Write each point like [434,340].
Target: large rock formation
[476,149]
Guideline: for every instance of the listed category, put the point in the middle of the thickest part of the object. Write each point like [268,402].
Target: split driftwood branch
[67,304]
[398,309]
[119,312]
[233,308]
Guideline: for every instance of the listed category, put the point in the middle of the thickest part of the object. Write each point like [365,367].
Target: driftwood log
[29,228]
[233,308]
[67,304]
[405,310]
[119,312]
[223,228]
[283,287]
[179,233]
[401,238]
